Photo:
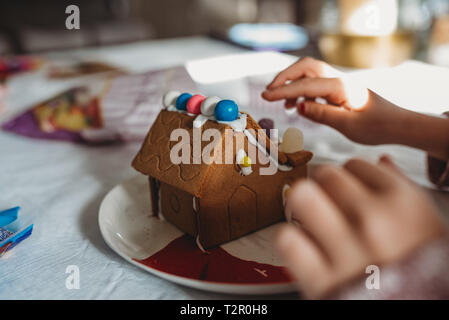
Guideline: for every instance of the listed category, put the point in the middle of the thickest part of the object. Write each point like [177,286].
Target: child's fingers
[297,70]
[320,218]
[306,87]
[386,161]
[376,177]
[348,193]
[335,117]
[302,256]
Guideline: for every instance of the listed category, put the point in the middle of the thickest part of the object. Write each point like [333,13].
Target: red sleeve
[423,275]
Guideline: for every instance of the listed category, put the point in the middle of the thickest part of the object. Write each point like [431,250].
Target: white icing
[254,141]
[208,106]
[246,171]
[198,243]
[172,108]
[194,205]
[200,121]
[237,125]
[169,98]
[239,157]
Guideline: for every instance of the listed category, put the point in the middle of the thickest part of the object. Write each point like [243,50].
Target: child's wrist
[428,133]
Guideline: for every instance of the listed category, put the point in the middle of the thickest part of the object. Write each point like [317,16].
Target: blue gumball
[181,102]
[226,110]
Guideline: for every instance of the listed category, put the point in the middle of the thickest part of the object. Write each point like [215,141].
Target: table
[60,186]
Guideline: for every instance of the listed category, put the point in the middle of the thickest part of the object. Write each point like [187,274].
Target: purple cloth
[27,125]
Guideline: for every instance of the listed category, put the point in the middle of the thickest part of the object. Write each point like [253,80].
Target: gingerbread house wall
[234,205]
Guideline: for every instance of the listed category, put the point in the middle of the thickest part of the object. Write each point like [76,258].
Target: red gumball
[194,104]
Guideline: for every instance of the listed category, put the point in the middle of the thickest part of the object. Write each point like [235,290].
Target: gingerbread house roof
[153,159]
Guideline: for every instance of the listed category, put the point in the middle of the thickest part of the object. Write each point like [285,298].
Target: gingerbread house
[216,201]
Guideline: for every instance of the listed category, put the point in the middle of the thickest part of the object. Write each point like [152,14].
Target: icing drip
[198,243]
[201,120]
[195,208]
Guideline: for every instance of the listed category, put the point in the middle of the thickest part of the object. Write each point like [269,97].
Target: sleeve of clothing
[422,275]
[438,170]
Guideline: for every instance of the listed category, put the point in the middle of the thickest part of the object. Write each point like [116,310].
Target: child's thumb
[335,117]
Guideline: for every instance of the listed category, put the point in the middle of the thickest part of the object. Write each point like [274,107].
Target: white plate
[128,227]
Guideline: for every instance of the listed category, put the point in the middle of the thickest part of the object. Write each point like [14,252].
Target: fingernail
[302,108]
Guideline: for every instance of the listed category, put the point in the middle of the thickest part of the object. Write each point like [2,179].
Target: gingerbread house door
[242,211]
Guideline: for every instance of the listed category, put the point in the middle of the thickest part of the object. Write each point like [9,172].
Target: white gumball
[208,105]
[169,98]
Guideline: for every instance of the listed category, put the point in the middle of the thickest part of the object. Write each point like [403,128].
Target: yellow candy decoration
[246,162]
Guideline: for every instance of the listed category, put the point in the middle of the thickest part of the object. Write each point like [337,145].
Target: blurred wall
[33,26]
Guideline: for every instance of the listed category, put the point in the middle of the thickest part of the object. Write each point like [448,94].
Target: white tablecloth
[60,186]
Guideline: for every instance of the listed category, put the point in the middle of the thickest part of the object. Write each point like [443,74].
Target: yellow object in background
[368,17]
[366,35]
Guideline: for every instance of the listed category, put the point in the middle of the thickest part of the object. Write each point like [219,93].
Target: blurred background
[356,33]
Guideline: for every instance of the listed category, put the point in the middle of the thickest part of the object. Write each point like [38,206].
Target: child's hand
[351,109]
[350,218]
[359,114]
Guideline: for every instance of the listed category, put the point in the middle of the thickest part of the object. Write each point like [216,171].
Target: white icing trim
[200,121]
[254,141]
[237,125]
[239,157]
[246,171]
[198,243]
[194,205]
